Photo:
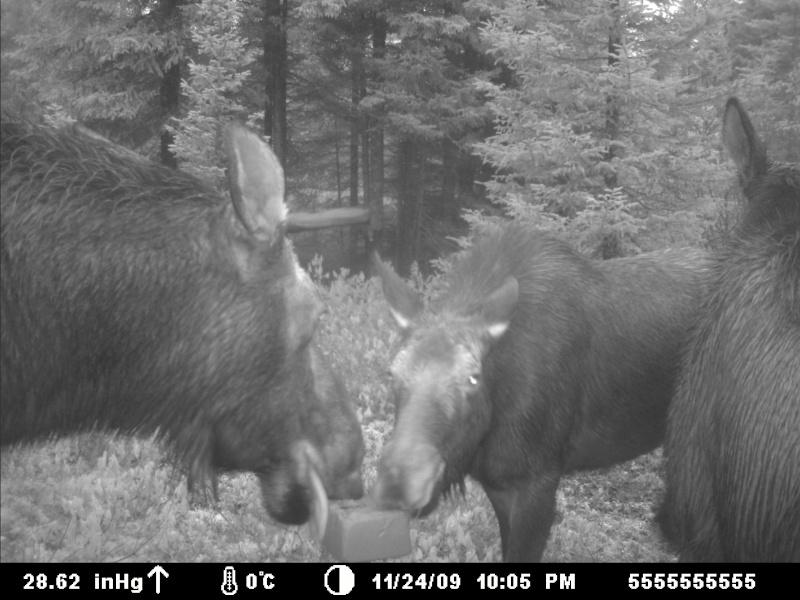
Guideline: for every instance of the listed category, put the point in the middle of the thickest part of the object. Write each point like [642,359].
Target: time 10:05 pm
[512,581]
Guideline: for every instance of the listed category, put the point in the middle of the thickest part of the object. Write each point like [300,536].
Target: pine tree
[600,128]
[215,78]
[97,61]
[764,42]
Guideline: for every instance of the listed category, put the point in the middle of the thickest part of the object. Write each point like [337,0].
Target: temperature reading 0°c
[264,580]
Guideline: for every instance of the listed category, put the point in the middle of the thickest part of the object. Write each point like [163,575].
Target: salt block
[359,532]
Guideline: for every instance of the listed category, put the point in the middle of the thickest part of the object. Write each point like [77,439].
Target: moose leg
[525,515]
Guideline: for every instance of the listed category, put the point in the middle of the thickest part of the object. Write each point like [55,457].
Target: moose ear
[404,303]
[742,143]
[498,307]
[256,183]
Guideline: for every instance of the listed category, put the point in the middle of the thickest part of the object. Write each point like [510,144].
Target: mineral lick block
[358,532]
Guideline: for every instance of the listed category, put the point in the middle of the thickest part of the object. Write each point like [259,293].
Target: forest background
[597,120]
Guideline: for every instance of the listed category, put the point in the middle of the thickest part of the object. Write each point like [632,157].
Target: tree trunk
[612,106]
[356,74]
[338,162]
[276,13]
[366,172]
[449,205]
[409,203]
[379,29]
[170,91]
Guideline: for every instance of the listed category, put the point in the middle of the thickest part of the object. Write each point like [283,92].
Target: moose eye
[474,379]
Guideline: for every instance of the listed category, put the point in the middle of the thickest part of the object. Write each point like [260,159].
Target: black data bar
[354,580]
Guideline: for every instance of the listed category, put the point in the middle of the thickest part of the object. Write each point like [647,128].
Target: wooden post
[335,217]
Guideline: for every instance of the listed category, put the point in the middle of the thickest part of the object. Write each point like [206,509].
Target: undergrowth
[98,497]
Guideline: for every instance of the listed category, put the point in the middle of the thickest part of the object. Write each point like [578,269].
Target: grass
[98,497]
